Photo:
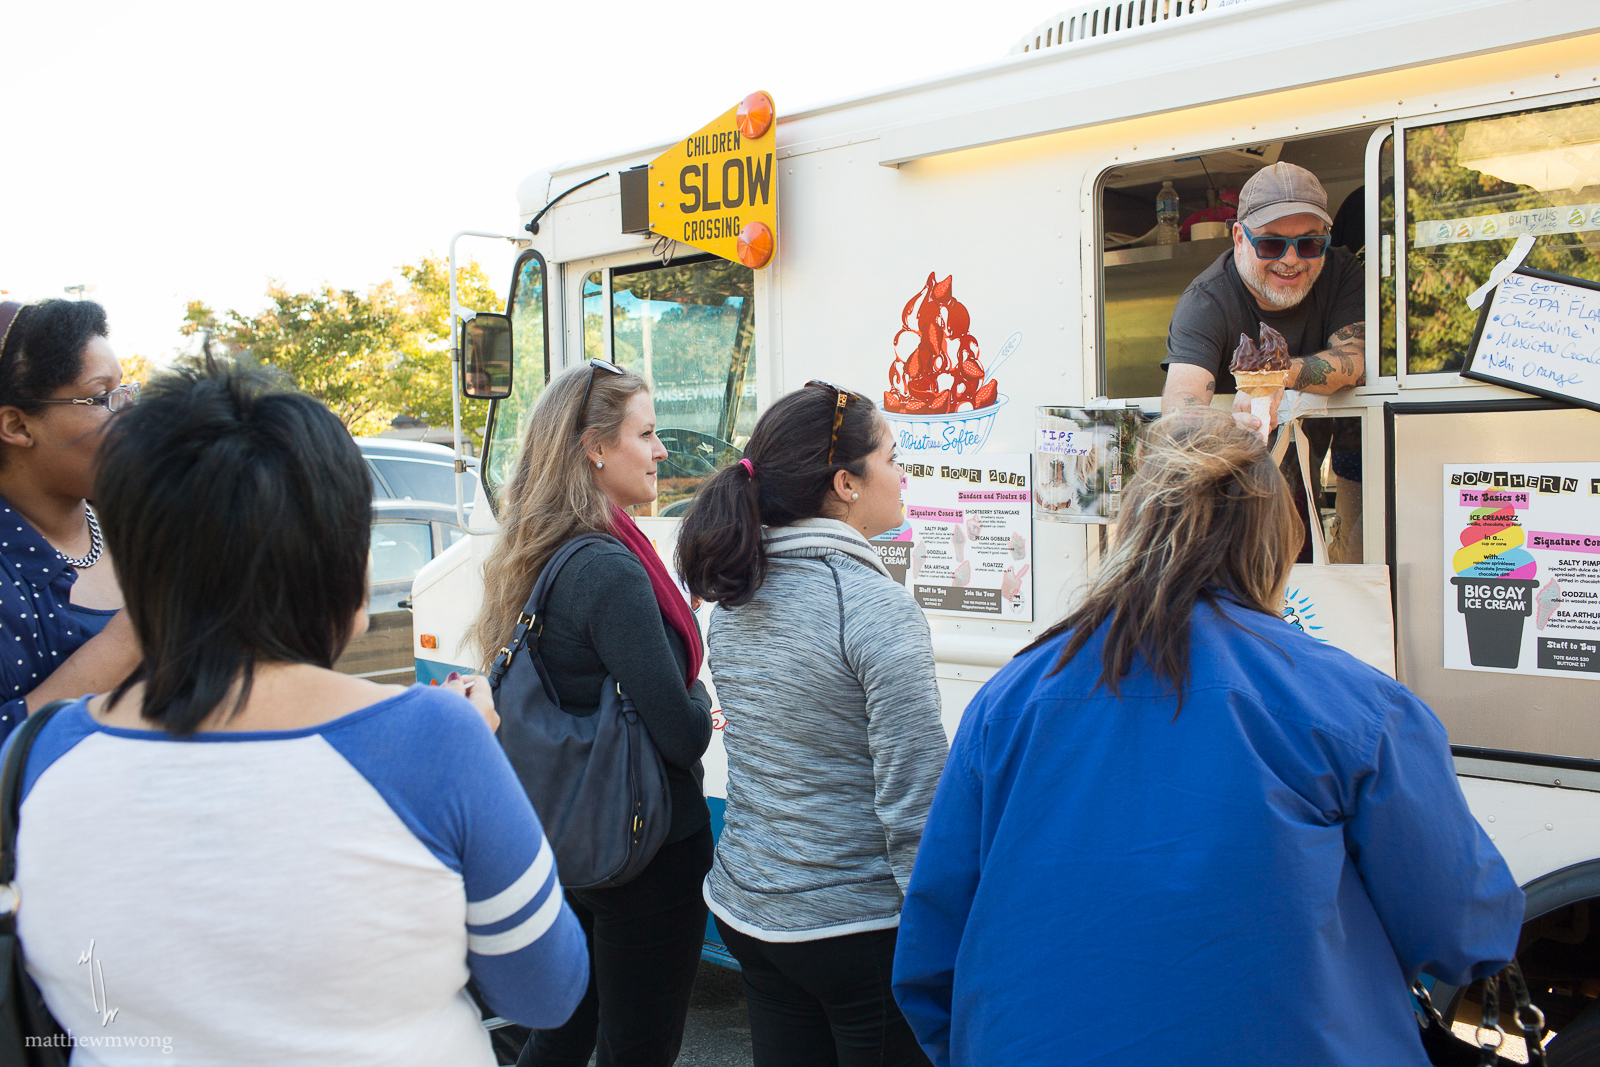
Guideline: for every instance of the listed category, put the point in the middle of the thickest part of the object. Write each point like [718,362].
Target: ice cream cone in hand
[1262,372]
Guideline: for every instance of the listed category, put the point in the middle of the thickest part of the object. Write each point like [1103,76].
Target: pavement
[716,1033]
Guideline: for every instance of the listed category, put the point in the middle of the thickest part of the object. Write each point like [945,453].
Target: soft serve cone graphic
[1495,581]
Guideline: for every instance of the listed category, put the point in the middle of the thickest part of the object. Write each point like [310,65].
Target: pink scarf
[674,609]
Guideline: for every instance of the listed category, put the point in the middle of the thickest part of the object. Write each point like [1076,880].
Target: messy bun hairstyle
[720,553]
[1208,512]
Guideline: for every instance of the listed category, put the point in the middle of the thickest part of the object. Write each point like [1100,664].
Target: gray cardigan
[833,737]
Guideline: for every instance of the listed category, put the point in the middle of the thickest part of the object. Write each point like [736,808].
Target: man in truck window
[1282,271]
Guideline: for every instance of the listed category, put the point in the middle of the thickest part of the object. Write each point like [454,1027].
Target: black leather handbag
[29,1035]
[596,781]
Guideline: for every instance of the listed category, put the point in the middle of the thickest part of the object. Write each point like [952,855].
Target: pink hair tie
[750,468]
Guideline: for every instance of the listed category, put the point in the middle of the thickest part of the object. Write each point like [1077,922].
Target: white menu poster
[1522,569]
[966,547]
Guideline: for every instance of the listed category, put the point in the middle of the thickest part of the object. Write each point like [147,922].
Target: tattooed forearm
[1355,333]
[1309,372]
[1342,366]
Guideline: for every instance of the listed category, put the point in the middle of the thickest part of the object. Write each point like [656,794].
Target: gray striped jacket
[833,738]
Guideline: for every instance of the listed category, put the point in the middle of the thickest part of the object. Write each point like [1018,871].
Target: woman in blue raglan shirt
[1178,817]
[264,861]
[61,634]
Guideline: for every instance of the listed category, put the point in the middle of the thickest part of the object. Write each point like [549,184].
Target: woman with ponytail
[590,450]
[1175,810]
[824,668]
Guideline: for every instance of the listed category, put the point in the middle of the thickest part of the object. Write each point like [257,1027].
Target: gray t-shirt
[1216,308]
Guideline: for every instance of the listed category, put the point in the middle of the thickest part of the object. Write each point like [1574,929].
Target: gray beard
[1254,273]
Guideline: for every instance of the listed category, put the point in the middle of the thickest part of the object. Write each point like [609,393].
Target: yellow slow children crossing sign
[717,188]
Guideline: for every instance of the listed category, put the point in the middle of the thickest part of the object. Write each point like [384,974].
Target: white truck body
[998,175]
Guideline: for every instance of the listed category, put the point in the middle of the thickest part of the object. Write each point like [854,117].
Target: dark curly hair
[44,349]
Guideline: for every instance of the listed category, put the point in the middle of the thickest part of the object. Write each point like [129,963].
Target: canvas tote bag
[1347,604]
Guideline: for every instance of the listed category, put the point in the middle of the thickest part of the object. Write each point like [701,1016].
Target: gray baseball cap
[1279,190]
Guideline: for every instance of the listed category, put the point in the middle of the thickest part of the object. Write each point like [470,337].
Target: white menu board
[966,547]
[1540,333]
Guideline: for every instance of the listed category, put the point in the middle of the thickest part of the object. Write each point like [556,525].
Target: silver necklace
[95,544]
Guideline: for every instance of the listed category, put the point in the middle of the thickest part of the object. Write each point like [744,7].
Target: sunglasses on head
[841,397]
[594,365]
[1312,246]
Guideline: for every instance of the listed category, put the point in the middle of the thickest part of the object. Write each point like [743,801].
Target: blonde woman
[1173,789]
[591,450]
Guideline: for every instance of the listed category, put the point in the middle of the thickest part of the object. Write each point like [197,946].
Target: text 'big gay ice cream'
[1261,370]
[1495,580]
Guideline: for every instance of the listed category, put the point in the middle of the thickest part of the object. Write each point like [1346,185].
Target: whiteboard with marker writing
[1540,333]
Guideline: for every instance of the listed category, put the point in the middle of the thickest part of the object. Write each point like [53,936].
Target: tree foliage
[1439,277]
[369,356]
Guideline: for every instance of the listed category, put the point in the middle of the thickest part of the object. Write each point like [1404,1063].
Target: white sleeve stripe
[519,937]
[516,896]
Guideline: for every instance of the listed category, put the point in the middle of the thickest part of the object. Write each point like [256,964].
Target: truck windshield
[688,328]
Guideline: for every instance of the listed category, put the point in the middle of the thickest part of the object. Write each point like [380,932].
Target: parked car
[406,534]
[411,470]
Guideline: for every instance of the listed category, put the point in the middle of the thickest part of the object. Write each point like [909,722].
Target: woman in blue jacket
[1178,816]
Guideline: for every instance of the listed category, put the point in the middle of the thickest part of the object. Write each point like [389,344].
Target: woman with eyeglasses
[62,633]
[824,667]
[590,450]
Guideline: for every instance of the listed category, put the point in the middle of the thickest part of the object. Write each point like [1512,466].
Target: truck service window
[1142,278]
[531,369]
[1145,271]
[689,329]
[1474,186]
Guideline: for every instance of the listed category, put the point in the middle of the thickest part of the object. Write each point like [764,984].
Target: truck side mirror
[486,356]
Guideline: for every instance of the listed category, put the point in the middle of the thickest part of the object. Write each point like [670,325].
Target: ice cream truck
[1014,207]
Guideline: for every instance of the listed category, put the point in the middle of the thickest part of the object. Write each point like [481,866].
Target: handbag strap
[11,789]
[1287,434]
[527,630]
[1526,1016]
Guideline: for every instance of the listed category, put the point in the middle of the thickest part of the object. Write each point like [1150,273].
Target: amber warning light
[716,189]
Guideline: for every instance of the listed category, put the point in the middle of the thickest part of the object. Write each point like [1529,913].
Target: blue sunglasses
[1313,246]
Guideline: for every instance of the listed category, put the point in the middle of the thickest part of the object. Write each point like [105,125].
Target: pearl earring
[855,496]
[598,464]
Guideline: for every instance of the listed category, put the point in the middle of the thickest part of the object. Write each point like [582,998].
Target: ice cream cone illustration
[963,574]
[974,526]
[1495,583]
[1018,546]
[1546,603]
[958,541]
[1011,582]
[1261,371]
[919,556]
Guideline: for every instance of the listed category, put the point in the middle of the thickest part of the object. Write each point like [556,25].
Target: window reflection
[530,371]
[1472,188]
[689,329]
[594,311]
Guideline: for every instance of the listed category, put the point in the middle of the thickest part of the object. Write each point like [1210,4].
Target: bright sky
[177,151]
